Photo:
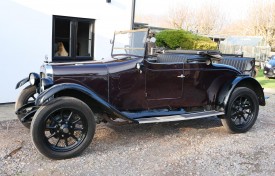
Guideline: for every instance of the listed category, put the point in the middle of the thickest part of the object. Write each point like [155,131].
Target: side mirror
[140,67]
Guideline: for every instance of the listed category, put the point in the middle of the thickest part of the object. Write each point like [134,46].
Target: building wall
[26,33]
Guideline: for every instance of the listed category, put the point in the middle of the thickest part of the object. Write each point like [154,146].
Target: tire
[63,128]
[24,98]
[242,111]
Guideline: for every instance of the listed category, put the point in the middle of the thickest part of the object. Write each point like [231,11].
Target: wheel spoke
[52,135]
[234,118]
[73,136]
[61,115]
[240,120]
[245,118]
[245,101]
[77,120]
[66,142]
[78,129]
[234,113]
[71,114]
[50,127]
[57,142]
[234,107]
[247,107]
[55,121]
[240,103]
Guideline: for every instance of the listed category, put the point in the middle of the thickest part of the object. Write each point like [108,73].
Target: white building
[33,29]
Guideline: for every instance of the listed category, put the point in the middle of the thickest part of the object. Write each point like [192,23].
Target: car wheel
[242,110]
[63,128]
[28,95]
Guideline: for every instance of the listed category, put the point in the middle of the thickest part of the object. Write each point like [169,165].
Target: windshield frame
[130,31]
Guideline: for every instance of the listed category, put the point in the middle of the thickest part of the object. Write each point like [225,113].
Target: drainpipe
[133,14]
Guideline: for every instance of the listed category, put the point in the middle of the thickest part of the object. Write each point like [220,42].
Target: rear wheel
[242,110]
[28,95]
[63,128]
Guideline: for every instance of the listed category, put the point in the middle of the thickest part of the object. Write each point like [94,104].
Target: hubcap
[65,128]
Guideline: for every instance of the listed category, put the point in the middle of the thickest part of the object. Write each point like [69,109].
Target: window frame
[73,39]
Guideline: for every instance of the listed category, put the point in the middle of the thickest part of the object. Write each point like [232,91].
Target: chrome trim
[181,117]
[47,70]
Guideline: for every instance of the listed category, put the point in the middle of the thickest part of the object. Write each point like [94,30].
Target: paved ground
[195,147]
[7,112]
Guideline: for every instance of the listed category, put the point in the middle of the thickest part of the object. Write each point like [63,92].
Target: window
[73,39]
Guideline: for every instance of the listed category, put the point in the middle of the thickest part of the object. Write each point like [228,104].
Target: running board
[187,116]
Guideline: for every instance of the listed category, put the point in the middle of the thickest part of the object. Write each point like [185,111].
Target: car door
[126,85]
[164,84]
[195,84]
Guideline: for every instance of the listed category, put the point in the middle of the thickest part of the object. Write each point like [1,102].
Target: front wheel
[242,110]
[63,128]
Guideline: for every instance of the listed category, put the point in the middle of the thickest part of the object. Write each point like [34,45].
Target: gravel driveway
[196,147]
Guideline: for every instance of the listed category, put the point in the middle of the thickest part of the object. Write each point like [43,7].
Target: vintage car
[65,101]
[269,68]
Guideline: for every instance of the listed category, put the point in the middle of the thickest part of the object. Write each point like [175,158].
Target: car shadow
[108,136]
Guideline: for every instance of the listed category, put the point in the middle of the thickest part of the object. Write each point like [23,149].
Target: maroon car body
[159,85]
[132,87]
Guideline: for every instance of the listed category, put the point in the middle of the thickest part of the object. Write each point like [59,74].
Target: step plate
[181,117]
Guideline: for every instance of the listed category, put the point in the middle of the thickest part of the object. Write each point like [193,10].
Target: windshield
[130,42]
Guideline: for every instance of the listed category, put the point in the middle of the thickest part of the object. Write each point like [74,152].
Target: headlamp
[34,79]
[45,84]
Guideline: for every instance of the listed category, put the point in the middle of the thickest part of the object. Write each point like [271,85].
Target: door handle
[181,76]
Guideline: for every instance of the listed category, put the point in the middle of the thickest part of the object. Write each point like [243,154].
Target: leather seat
[244,64]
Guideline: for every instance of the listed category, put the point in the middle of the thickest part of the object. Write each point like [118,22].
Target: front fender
[241,81]
[22,82]
[46,95]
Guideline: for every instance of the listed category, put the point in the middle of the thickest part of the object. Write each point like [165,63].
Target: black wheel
[242,110]
[63,128]
[27,95]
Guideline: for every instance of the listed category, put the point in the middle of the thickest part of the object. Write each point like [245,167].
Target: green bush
[173,39]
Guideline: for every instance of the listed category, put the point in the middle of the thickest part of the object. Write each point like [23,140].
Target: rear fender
[242,81]
[59,88]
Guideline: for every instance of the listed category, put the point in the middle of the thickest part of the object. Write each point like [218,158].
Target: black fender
[241,81]
[49,93]
[22,82]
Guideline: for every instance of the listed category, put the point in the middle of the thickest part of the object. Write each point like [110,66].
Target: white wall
[26,33]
